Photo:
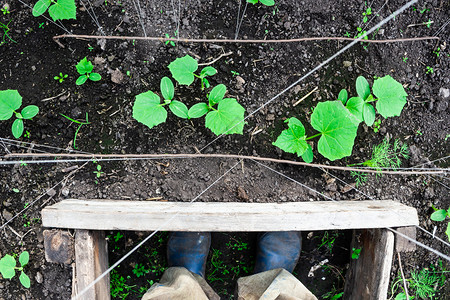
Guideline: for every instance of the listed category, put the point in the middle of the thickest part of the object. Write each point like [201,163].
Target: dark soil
[30,63]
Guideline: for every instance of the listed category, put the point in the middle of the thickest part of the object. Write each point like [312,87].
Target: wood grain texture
[91,260]
[230,216]
[368,276]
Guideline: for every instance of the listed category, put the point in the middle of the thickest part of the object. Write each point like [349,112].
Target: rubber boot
[189,250]
[278,250]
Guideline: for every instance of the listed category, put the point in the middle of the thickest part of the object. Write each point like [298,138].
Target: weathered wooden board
[211,216]
[91,260]
[368,276]
[402,244]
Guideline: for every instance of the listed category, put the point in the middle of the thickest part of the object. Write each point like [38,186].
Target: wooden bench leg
[368,276]
[91,260]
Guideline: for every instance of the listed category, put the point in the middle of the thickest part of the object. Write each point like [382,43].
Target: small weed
[5,9]
[85,68]
[79,127]
[119,287]
[404,59]
[428,23]
[419,132]
[60,77]
[367,13]
[438,51]
[218,266]
[355,253]
[118,236]
[171,43]
[234,73]
[429,70]
[237,245]
[140,270]
[328,240]
[99,172]
[6,29]
[265,2]
[376,125]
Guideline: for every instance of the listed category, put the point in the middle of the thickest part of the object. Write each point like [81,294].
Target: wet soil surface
[253,74]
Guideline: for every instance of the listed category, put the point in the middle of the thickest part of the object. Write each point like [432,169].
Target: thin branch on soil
[403,275]
[15,232]
[211,62]
[100,157]
[162,39]
[51,98]
[306,96]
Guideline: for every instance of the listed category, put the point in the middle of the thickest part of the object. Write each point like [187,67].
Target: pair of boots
[275,250]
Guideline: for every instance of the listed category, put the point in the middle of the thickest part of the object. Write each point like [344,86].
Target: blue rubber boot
[189,250]
[278,250]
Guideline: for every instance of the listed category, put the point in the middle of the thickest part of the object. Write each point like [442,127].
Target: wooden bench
[368,277]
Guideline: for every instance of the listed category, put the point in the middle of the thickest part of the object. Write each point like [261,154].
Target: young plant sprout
[60,77]
[84,68]
[265,2]
[183,69]
[338,121]
[8,268]
[10,102]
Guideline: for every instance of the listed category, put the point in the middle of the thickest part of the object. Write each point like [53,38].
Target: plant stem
[311,137]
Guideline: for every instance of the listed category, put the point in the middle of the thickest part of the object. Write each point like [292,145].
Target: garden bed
[253,74]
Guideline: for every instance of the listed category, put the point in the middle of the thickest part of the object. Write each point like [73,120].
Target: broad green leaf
[267,2]
[343,96]
[7,264]
[227,119]
[148,110]
[308,156]
[63,10]
[217,94]
[208,71]
[179,109]
[362,87]
[338,130]
[167,88]
[10,100]
[41,7]
[198,110]
[252,1]
[17,128]
[401,296]
[95,77]
[29,111]
[439,215]
[183,69]
[24,280]
[81,80]
[447,232]
[391,96]
[292,140]
[84,66]
[24,258]
[368,114]
[355,107]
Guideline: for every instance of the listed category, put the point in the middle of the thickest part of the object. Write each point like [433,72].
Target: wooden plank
[91,260]
[402,244]
[368,276]
[212,216]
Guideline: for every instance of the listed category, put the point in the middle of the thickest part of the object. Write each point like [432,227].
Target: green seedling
[383,156]
[60,77]
[376,125]
[429,70]
[79,127]
[328,240]
[225,119]
[85,68]
[234,73]
[428,23]
[10,102]
[99,172]
[57,9]
[440,215]
[437,52]
[6,29]
[404,59]
[419,132]
[8,268]
[338,121]
[171,43]
[183,69]
[367,13]
[356,253]
[264,2]
[5,9]
[140,270]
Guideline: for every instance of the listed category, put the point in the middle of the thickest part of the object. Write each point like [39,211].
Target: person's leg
[276,258]
[186,255]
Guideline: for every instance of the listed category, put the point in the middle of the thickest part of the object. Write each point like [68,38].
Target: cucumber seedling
[57,9]
[440,215]
[85,68]
[183,69]
[8,268]
[265,2]
[338,121]
[10,102]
